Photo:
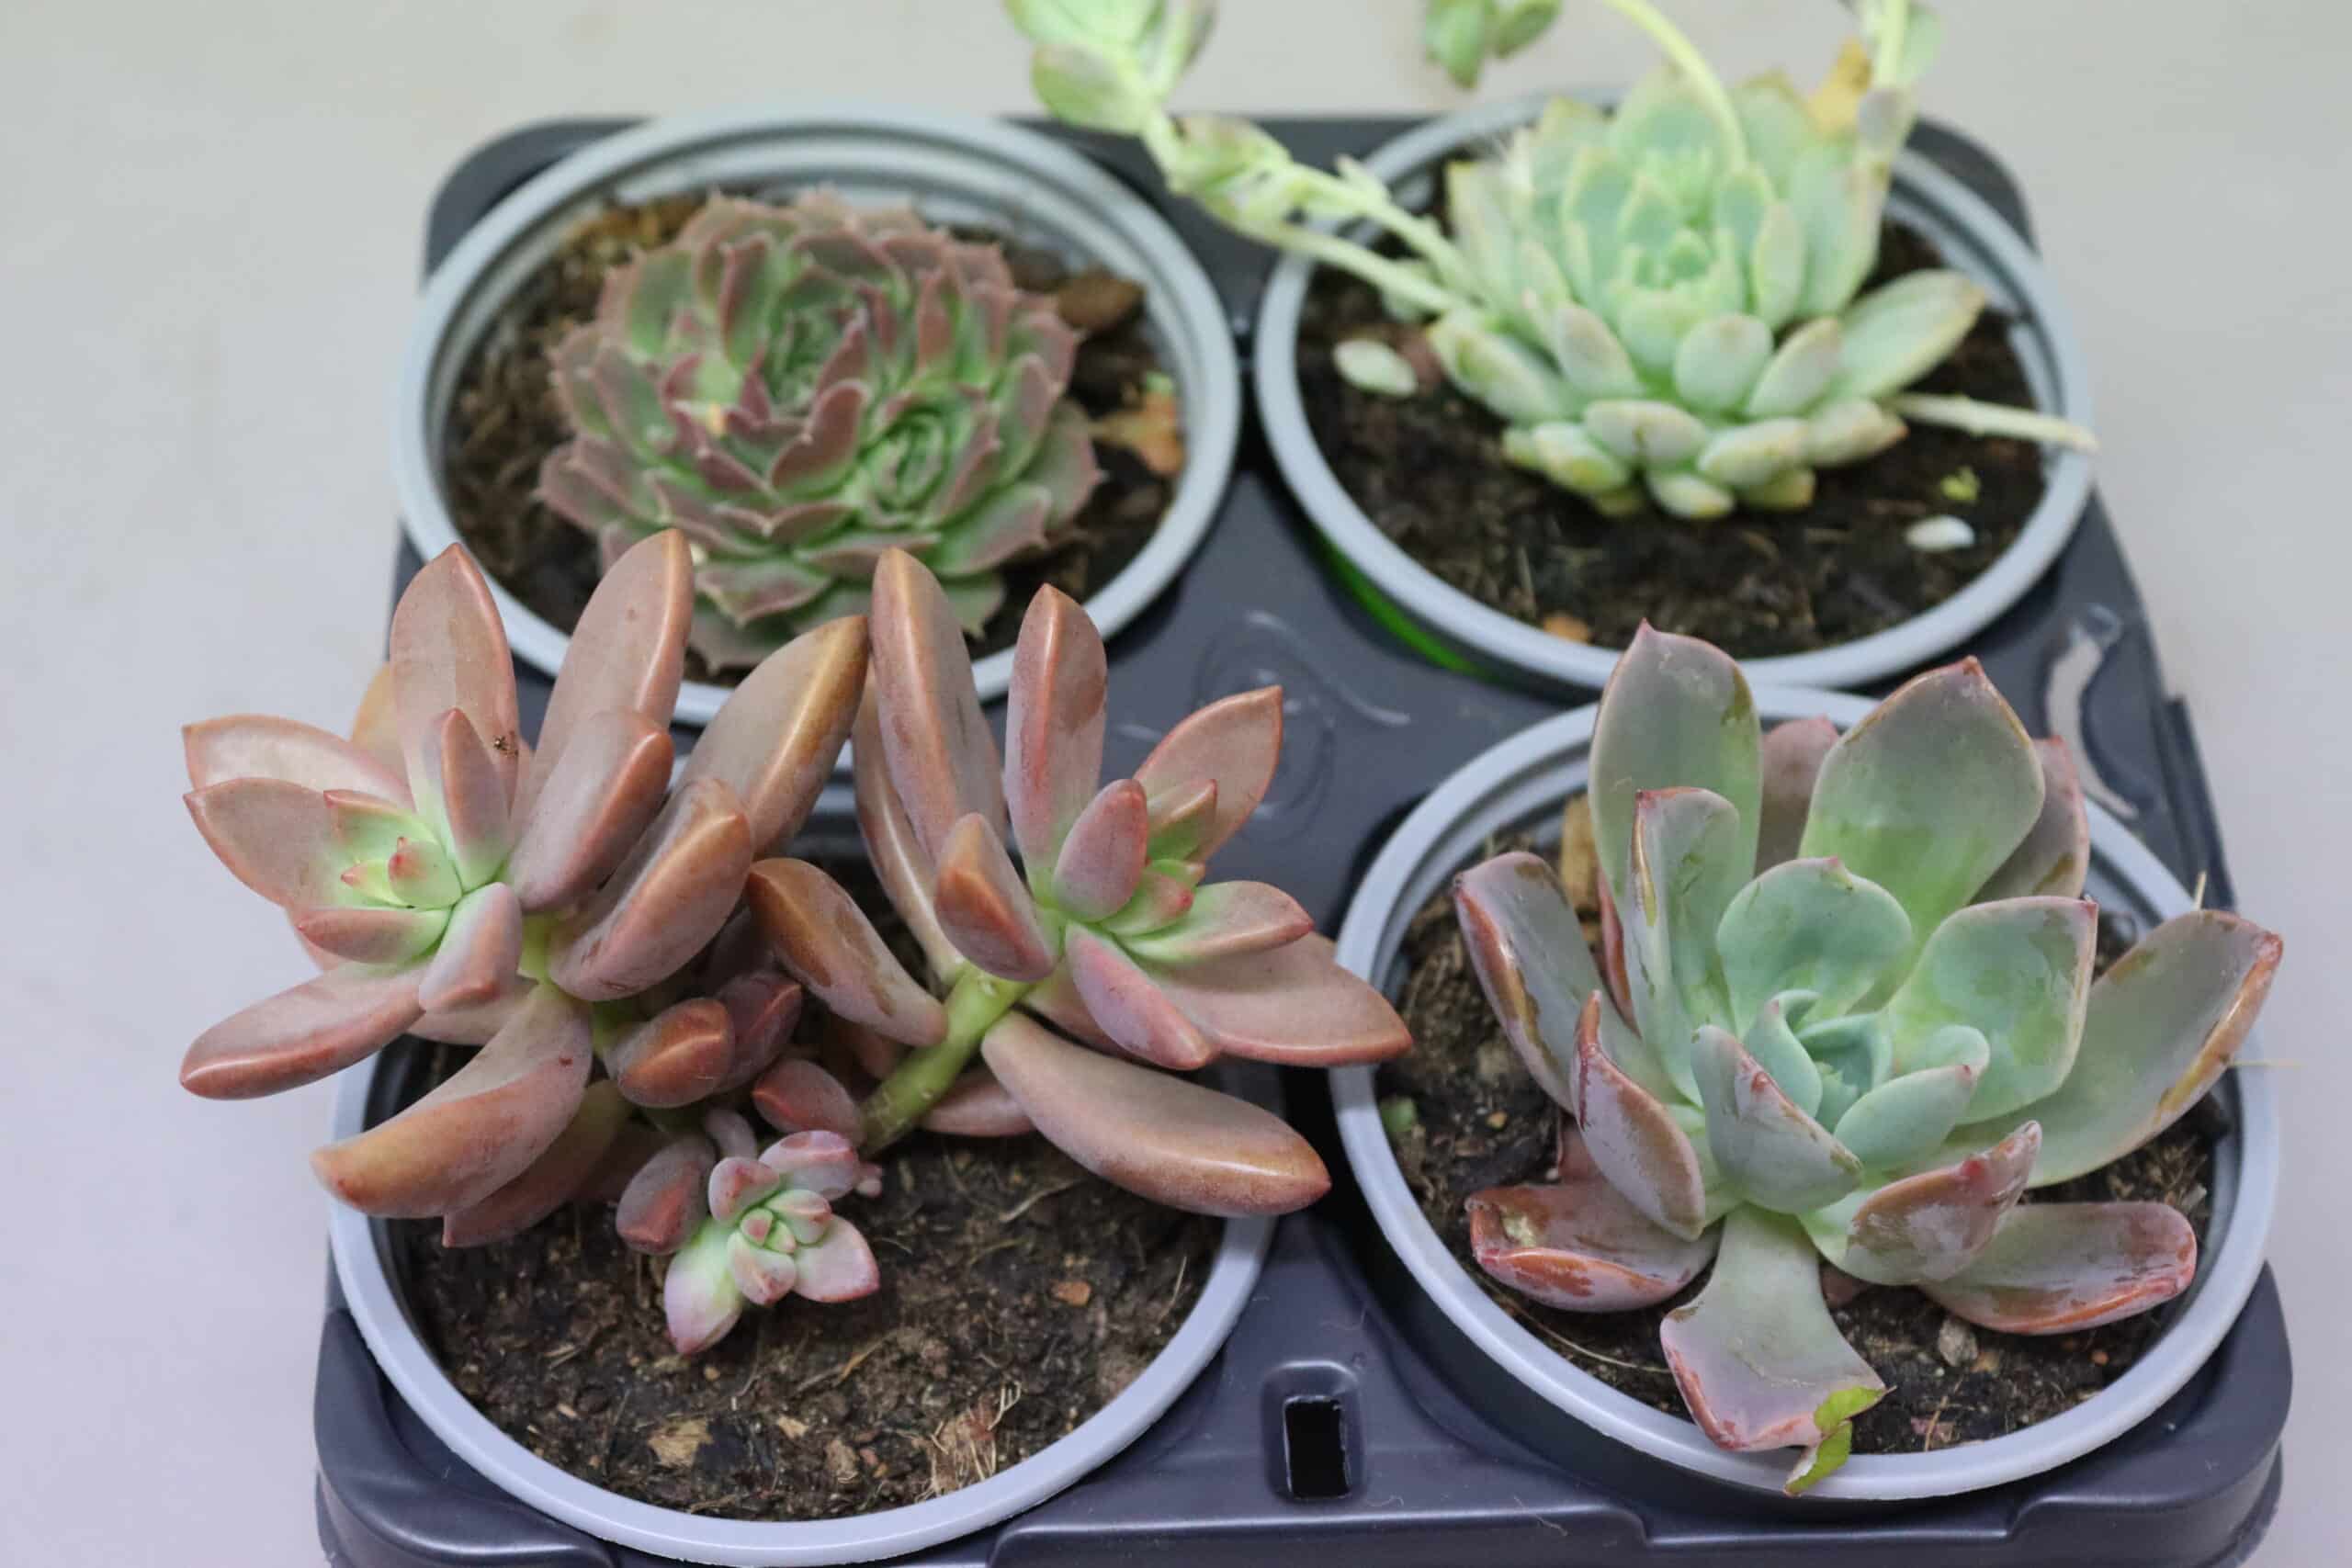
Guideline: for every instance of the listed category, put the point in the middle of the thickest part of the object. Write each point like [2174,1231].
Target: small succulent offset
[1113,936]
[798,389]
[567,909]
[1845,1011]
[1655,300]
[1462,35]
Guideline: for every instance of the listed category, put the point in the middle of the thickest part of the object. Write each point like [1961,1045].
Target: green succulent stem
[1982,419]
[1692,64]
[975,1002]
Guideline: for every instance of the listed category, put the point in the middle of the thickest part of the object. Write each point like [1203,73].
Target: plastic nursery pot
[1519,786]
[1974,239]
[955,170]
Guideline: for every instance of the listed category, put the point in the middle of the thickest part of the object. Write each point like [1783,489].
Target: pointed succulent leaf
[1640,1148]
[479,950]
[1691,853]
[1486,362]
[2055,858]
[1687,494]
[900,862]
[762,1007]
[300,1035]
[825,941]
[1771,1039]
[774,740]
[1905,1119]
[1838,202]
[1750,456]
[376,726]
[668,897]
[698,1295]
[1929,793]
[737,1182]
[2063,1268]
[1293,1004]
[1101,856]
[1898,332]
[1130,1007]
[1225,920]
[449,651]
[2019,973]
[2158,1028]
[795,1095]
[254,746]
[1567,455]
[984,908]
[1854,1055]
[1675,712]
[676,1057]
[371,933]
[478,1131]
[1645,433]
[1810,925]
[1799,371]
[1168,1139]
[477,1023]
[1847,431]
[1529,952]
[276,838]
[1756,1354]
[627,654]
[1719,360]
[838,1267]
[943,760]
[1234,744]
[1791,761]
[1181,817]
[1054,722]
[548,1181]
[1588,353]
[589,808]
[766,1278]
[1776,1155]
[1577,1244]
[976,1106]
[418,872]
[816,1160]
[1932,1226]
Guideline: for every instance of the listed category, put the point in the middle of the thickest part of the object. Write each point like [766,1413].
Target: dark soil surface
[504,421]
[1019,1296]
[1483,1122]
[1429,471]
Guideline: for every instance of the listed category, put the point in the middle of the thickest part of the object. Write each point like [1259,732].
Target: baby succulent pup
[1845,1012]
[1660,300]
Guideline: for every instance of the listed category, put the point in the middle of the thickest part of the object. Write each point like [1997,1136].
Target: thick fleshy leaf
[276,838]
[300,1035]
[1055,998]
[1757,1354]
[1775,1153]
[900,862]
[2018,972]
[256,746]
[678,1056]
[668,897]
[761,1010]
[1932,1226]
[1054,721]
[774,740]
[1906,1119]
[1676,712]
[1102,858]
[976,1106]
[478,952]
[1180,817]
[449,651]
[838,1267]
[464,796]
[797,1096]
[2055,858]
[591,808]
[766,1278]
[1223,921]
[1234,744]
[1632,1139]
[737,1182]
[1130,1007]
[1791,761]
[1771,1039]
[1167,1138]
[1929,793]
[815,1161]
[825,941]
[478,1131]
[943,760]
[376,726]
[1899,332]
[1810,925]
[1293,1005]
[2159,1028]
[698,1295]
[983,906]
[476,1023]
[372,933]
[627,654]
[1529,952]
[549,1180]
[1578,1245]
[1691,853]
[668,1196]
[2063,1268]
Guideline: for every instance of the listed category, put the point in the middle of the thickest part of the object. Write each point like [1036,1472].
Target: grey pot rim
[1039,178]
[375,1295]
[1538,768]
[2045,336]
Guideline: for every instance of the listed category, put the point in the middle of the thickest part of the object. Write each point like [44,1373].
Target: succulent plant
[549,906]
[1462,35]
[798,389]
[1846,1012]
[1658,300]
[1112,935]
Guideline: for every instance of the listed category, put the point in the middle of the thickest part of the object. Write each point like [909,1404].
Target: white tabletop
[209,235]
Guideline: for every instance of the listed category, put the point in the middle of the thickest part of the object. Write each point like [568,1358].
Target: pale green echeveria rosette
[798,390]
[1845,1011]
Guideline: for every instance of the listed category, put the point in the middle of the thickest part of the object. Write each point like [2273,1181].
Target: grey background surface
[209,229]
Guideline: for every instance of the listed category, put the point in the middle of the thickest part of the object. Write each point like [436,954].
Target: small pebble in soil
[1933,535]
[1956,1343]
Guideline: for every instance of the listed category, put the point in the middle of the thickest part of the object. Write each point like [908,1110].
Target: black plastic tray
[1345,1407]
